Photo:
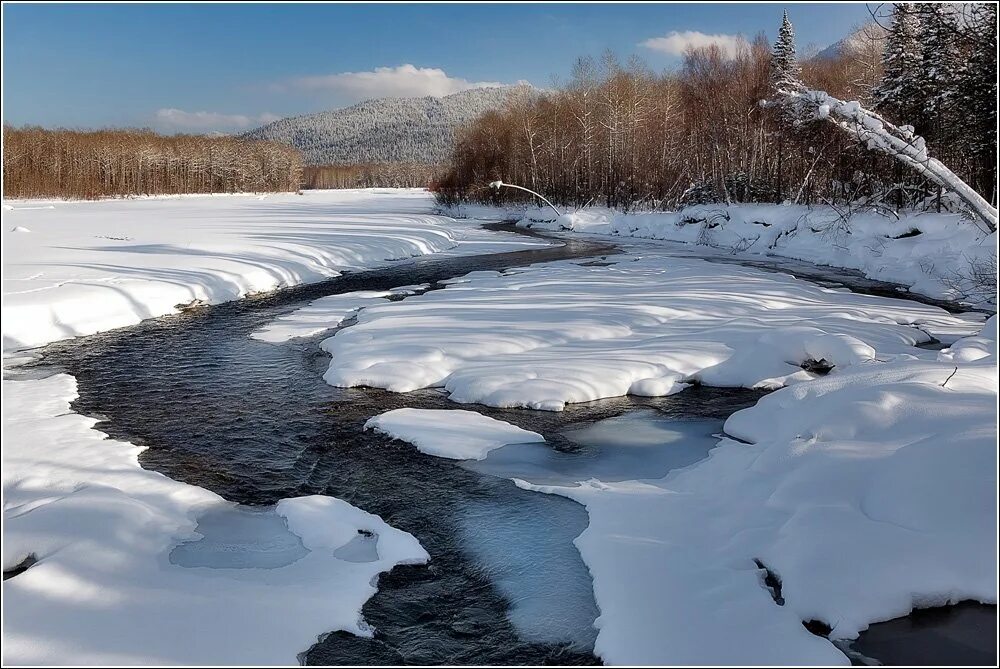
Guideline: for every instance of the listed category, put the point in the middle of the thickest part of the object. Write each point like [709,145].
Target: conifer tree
[976,96]
[785,71]
[936,83]
[898,95]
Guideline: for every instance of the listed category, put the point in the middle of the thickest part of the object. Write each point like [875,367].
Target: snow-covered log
[880,135]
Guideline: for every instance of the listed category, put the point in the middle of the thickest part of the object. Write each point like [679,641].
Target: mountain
[385,130]
[868,38]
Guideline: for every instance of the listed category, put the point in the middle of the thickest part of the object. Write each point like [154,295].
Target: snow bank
[324,314]
[93,266]
[932,254]
[564,332]
[866,493]
[106,588]
[454,434]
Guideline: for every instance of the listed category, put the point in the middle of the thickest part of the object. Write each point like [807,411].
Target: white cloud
[675,43]
[178,119]
[403,81]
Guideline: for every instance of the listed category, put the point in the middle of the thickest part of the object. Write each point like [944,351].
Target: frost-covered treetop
[785,71]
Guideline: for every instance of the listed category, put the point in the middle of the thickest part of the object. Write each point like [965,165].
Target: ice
[362,548]
[240,537]
[525,545]
[638,445]
[320,315]
[134,568]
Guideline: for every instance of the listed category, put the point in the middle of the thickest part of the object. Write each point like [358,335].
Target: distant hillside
[385,130]
[868,38]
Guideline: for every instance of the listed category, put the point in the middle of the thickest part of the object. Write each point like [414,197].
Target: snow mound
[108,587]
[866,493]
[323,314]
[558,333]
[70,280]
[454,433]
[19,228]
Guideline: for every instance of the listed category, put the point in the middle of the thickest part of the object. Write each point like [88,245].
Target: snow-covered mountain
[867,37]
[384,130]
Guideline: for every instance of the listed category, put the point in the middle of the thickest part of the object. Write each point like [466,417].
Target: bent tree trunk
[899,142]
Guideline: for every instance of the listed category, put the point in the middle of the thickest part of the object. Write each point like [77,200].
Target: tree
[898,95]
[878,134]
[785,71]
[976,95]
[937,77]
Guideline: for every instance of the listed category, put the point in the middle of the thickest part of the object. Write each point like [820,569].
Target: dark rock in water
[817,627]
[819,367]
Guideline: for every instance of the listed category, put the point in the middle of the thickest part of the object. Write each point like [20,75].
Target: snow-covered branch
[880,135]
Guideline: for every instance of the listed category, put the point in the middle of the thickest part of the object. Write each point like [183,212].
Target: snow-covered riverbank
[75,268]
[866,486]
[133,567]
[942,256]
[866,483]
[107,588]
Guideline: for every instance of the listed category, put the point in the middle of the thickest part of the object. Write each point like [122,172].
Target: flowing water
[255,423]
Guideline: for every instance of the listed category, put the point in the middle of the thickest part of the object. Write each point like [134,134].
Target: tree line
[620,135]
[107,163]
[369,175]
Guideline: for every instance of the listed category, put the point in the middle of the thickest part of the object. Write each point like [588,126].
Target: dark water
[964,634]
[255,423]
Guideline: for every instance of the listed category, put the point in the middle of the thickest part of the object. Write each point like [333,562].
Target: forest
[106,163]
[369,175]
[619,135]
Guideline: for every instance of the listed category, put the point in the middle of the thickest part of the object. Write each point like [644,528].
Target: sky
[231,67]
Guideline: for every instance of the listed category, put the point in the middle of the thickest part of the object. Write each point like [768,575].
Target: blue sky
[199,67]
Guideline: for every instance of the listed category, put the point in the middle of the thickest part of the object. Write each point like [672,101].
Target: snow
[544,336]
[383,131]
[930,263]
[898,142]
[323,314]
[93,266]
[868,493]
[135,568]
[450,433]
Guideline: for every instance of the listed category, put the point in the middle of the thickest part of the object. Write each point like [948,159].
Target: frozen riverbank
[645,323]
[939,255]
[75,268]
[167,545]
[866,484]
[110,588]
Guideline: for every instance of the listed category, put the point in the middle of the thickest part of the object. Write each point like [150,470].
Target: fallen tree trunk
[899,142]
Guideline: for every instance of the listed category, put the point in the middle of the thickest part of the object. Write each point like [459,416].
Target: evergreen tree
[785,71]
[936,84]
[898,95]
[976,96]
